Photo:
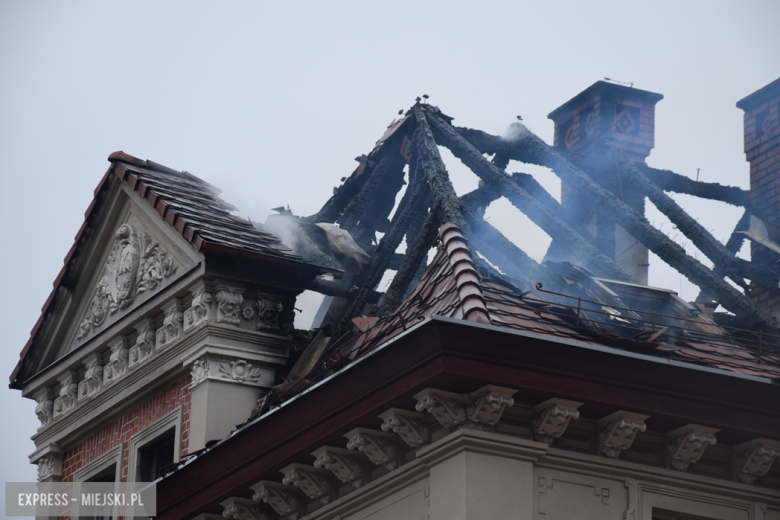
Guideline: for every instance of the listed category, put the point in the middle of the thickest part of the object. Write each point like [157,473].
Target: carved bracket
[410,426]
[173,324]
[268,312]
[284,499]
[200,310]
[347,465]
[686,445]
[246,509]
[117,365]
[381,448]
[618,430]
[316,483]
[45,407]
[68,394]
[552,418]
[753,459]
[92,383]
[145,345]
[479,410]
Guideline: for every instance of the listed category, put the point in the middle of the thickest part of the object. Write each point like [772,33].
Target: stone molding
[347,465]
[118,361]
[753,459]
[686,445]
[49,461]
[479,441]
[45,407]
[618,430]
[93,378]
[285,500]
[173,324]
[245,509]
[410,426]
[479,410]
[68,397]
[316,483]
[145,346]
[552,418]
[381,448]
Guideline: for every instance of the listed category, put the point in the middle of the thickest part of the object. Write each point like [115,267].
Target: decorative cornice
[316,483]
[753,459]
[92,383]
[480,409]
[381,448]
[478,441]
[410,426]
[686,445]
[230,369]
[67,399]
[552,418]
[45,407]
[618,430]
[347,465]
[284,499]
[145,346]
[117,365]
[173,328]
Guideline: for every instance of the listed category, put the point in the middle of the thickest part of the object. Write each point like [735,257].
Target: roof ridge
[467,279]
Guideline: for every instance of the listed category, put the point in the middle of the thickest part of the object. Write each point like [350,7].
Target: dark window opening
[154,457]
[106,475]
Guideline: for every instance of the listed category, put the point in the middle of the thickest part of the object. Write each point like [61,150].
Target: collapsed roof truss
[363,202]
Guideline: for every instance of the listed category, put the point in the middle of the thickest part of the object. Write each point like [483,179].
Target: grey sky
[271,101]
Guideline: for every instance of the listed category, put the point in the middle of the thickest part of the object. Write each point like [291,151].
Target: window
[155,449]
[105,468]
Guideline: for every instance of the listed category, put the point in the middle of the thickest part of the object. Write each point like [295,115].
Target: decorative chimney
[606,114]
[762,150]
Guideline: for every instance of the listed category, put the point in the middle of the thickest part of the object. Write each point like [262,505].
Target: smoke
[305,239]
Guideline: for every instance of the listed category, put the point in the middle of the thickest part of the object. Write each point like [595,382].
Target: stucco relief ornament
[145,347]
[617,432]
[479,410]
[268,312]
[240,371]
[410,426]
[284,499]
[92,383]
[228,306]
[133,266]
[200,310]
[171,331]
[45,467]
[199,372]
[248,313]
[117,365]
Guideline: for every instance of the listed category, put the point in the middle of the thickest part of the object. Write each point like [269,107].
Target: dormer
[167,308]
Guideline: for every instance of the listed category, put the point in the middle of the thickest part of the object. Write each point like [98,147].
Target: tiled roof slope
[519,306]
[194,208]
[189,204]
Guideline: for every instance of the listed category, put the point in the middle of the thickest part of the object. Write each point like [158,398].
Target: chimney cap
[613,90]
[759,96]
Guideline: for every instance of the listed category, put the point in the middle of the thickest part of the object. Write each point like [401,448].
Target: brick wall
[762,150]
[121,430]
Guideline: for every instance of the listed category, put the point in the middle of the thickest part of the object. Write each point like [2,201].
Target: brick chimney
[607,114]
[762,150]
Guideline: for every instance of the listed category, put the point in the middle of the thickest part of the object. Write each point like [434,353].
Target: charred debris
[587,295]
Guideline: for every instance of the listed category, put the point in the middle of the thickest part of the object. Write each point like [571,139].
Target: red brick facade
[762,150]
[121,430]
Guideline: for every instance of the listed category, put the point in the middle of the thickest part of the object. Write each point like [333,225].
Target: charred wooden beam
[412,263]
[338,289]
[343,194]
[541,215]
[416,196]
[690,227]
[670,181]
[527,147]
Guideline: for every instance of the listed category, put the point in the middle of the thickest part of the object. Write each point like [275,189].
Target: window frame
[149,435]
